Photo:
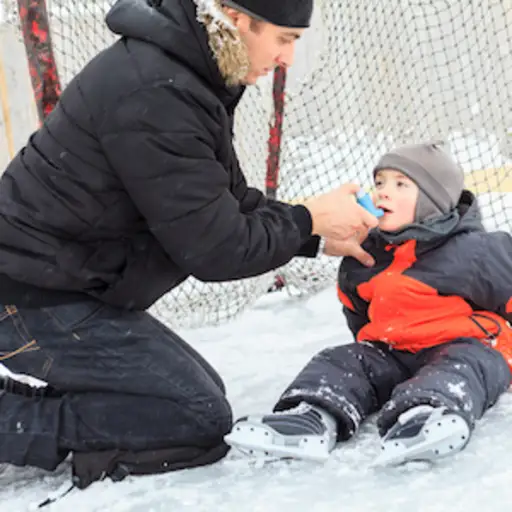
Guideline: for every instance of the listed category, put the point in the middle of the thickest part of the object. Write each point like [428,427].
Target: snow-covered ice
[258,354]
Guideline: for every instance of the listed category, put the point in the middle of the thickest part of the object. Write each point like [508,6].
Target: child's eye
[378,183]
[402,184]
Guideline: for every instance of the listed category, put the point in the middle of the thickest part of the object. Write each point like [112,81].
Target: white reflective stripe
[20,377]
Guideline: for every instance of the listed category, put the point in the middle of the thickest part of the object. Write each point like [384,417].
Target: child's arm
[354,309]
[355,320]
[492,283]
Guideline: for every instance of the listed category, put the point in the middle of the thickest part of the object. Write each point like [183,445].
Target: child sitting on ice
[433,346]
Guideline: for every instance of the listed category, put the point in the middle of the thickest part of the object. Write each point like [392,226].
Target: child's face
[397,195]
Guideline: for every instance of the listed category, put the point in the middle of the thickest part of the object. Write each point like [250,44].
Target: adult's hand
[350,247]
[336,214]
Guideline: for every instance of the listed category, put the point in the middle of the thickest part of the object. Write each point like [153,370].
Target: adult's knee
[212,416]
[92,422]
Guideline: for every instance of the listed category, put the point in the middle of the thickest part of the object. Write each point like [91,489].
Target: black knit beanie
[284,13]
[439,178]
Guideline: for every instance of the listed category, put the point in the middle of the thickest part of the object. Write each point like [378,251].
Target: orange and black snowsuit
[431,286]
[431,323]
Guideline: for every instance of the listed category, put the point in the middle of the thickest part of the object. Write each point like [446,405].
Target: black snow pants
[356,380]
[125,394]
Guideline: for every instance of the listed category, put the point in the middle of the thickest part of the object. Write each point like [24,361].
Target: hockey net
[368,76]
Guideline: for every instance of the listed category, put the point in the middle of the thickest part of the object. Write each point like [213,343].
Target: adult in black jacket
[130,186]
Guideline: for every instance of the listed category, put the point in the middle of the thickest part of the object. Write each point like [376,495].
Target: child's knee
[478,360]
[343,355]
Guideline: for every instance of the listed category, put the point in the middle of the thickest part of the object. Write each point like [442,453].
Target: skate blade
[445,436]
[258,458]
[258,439]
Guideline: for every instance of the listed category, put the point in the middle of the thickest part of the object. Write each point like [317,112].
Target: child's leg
[326,402]
[465,376]
[350,381]
[460,380]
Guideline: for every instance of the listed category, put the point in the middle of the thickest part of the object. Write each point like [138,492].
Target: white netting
[378,74]
[368,76]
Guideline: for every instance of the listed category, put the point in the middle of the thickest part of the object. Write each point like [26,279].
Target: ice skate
[305,432]
[424,433]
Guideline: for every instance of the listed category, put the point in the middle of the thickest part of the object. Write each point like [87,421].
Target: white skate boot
[306,432]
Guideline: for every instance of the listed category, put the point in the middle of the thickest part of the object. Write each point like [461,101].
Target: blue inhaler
[364,199]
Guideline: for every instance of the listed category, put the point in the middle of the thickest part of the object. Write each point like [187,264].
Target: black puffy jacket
[132,183]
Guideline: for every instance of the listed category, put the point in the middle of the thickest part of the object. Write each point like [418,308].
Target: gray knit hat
[439,178]
[285,13]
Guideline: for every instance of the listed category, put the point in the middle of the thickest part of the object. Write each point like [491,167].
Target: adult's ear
[240,20]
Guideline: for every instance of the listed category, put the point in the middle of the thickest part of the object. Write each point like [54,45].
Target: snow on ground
[258,354]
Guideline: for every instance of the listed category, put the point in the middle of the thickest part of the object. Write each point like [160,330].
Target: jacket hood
[175,27]
[466,217]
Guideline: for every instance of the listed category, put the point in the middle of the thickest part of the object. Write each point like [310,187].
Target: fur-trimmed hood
[195,32]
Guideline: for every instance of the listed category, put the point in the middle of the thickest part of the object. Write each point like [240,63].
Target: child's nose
[382,193]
